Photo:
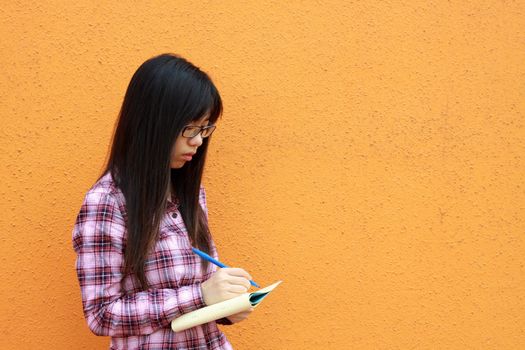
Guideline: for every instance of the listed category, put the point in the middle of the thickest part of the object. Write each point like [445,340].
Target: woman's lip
[187,156]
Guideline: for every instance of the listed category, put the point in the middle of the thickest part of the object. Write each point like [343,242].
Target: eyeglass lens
[192,131]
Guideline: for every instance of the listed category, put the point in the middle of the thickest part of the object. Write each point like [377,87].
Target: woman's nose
[196,140]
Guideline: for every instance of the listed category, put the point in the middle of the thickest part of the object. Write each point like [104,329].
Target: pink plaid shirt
[139,319]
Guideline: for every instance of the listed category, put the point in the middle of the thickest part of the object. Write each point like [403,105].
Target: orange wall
[370,155]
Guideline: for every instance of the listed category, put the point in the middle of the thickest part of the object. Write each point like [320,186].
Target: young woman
[136,227]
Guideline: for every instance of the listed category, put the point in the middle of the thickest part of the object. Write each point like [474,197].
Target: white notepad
[225,308]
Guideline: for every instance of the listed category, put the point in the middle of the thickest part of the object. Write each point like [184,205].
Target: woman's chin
[177,165]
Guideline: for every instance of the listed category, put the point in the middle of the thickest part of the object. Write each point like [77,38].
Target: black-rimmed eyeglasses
[191,131]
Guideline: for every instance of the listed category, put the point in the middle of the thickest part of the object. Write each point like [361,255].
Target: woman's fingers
[239,281]
[237,272]
[225,283]
[237,289]
[240,316]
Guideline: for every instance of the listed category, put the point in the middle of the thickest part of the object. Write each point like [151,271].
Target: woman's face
[184,148]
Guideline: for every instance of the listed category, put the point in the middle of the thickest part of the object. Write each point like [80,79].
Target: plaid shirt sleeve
[98,238]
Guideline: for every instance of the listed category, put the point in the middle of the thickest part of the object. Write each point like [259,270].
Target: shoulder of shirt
[202,192]
[105,186]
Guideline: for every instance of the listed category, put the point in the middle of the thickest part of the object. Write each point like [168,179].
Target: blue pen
[216,262]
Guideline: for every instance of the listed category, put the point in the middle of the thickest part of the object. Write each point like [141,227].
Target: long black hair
[166,93]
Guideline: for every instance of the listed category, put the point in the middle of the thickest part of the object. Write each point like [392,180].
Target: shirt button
[174,215]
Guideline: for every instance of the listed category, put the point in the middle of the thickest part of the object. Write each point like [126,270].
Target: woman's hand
[224,284]
[240,316]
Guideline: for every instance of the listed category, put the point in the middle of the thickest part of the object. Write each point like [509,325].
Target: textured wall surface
[371,155]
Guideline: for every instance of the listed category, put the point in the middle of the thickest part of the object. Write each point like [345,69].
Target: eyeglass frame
[201,129]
